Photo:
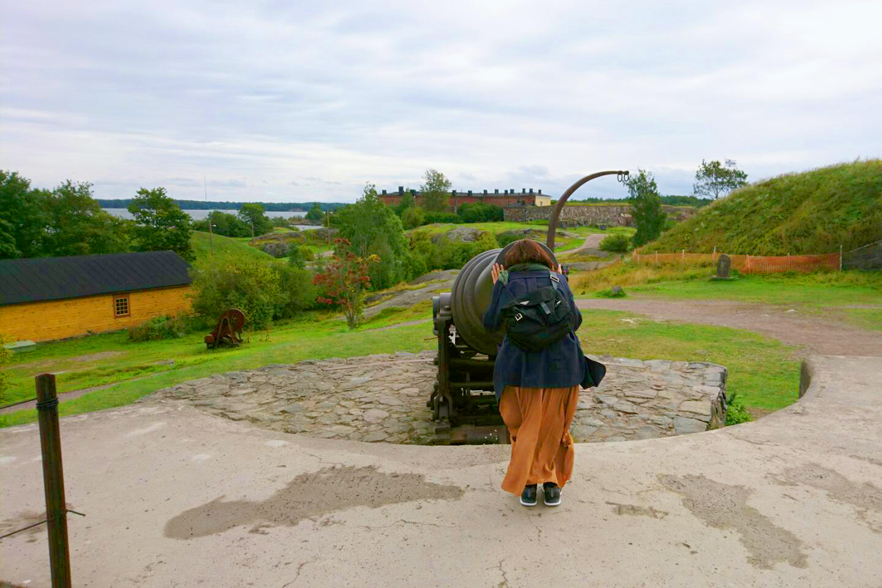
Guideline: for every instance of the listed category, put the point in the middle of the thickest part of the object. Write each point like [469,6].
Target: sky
[302,101]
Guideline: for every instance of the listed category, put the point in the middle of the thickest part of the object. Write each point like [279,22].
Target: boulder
[461,234]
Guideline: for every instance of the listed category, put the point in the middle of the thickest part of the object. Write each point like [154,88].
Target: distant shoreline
[203,213]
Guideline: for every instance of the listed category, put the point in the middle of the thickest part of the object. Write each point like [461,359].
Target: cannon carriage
[463,402]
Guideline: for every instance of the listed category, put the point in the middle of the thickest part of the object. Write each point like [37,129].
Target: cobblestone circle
[382,398]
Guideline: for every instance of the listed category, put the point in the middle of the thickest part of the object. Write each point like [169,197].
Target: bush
[413,217]
[161,327]
[298,291]
[442,253]
[616,243]
[614,292]
[478,212]
[431,218]
[252,287]
[736,413]
[298,255]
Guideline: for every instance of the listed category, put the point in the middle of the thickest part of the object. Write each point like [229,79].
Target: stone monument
[724,265]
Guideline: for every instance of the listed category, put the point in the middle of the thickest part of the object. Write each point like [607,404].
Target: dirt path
[816,334]
[592,241]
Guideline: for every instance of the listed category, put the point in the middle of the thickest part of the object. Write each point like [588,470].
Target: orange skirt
[538,421]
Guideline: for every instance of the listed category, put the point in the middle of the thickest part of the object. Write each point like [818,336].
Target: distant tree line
[213,205]
[67,220]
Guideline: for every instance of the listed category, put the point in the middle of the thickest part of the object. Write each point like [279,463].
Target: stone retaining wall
[609,214]
[383,398]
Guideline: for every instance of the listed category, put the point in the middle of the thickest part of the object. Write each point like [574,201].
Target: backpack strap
[555,280]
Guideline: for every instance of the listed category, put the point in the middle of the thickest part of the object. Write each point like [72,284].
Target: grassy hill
[811,212]
[226,249]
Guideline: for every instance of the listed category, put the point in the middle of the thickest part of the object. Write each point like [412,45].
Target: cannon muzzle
[470,297]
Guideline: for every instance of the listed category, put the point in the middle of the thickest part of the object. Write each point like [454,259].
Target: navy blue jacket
[560,365]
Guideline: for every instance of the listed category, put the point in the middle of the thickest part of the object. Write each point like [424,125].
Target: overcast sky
[298,101]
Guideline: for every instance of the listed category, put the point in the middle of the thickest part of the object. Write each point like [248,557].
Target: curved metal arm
[552,222]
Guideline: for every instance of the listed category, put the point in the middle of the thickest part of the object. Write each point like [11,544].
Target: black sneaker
[552,494]
[528,496]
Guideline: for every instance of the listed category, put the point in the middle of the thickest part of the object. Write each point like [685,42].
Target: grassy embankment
[852,296]
[805,213]
[226,250]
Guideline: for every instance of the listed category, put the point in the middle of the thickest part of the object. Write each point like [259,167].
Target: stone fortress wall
[601,214]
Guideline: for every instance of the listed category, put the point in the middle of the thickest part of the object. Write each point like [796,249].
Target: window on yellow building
[121,306]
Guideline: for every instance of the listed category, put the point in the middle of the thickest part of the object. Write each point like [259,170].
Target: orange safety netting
[749,264]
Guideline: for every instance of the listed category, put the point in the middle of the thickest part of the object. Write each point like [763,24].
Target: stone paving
[382,398]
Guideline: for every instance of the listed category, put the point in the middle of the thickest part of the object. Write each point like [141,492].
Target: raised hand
[495,271]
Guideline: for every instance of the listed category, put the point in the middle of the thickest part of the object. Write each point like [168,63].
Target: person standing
[537,391]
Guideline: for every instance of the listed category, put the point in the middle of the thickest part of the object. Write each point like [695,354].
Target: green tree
[223,223]
[407,202]
[7,241]
[23,217]
[369,227]
[435,192]
[413,217]
[714,179]
[315,214]
[254,216]
[160,224]
[77,225]
[645,207]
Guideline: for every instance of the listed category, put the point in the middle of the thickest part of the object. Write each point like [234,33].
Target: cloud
[493,94]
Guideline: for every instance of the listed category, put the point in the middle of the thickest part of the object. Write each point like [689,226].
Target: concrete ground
[176,498]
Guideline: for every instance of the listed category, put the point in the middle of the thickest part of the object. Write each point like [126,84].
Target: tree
[435,191]
[715,179]
[315,214]
[254,215]
[160,224]
[344,281]
[412,218]
[407,202]
[645,207]
[23,217]
[77,225]
[7,241]
[370,227]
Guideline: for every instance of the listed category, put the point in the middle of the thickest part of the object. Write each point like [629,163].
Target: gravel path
[592,241]
[815,334]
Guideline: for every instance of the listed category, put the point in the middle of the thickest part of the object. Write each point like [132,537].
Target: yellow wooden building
[49,298]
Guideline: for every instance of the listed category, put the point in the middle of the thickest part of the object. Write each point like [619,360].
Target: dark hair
[527,251]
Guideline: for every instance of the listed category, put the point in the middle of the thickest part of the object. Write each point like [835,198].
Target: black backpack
[540,318]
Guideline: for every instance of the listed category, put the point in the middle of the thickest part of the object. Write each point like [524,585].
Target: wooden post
[714,256]
[53,480]
[840,257]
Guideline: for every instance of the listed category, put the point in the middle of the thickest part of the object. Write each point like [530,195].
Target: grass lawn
[814,290]
[138,369]
[226,249]
[762,372]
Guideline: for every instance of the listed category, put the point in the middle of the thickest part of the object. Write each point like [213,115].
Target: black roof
[58,278]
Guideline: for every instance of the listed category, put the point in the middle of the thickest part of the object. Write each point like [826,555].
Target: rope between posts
[17,403]
[38,523]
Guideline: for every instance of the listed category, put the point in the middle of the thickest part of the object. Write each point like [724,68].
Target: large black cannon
[463,403]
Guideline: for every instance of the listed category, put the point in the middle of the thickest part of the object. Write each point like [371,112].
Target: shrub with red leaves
[344,281]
